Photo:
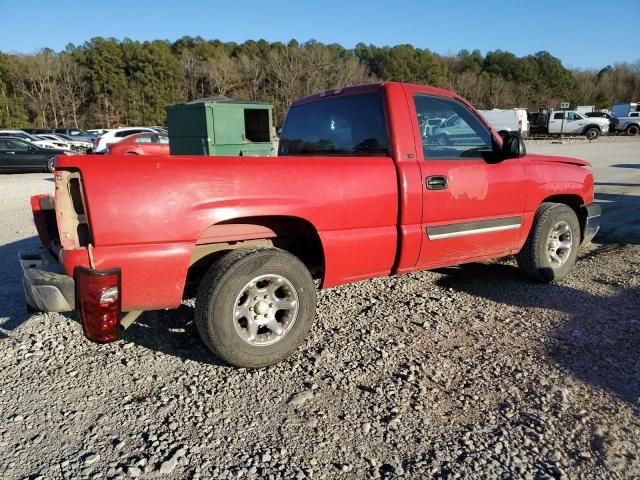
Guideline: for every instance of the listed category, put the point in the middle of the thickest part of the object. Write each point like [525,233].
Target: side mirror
[512,145]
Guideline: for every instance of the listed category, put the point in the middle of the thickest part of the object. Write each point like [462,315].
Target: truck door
[574,123]
[472,207]
[555,122]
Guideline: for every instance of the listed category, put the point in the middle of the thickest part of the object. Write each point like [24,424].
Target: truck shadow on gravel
[172,332]
[620,220]
[599,343]
[13,311]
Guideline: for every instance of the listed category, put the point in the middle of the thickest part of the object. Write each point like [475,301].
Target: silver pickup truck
[628,116]
[629,125]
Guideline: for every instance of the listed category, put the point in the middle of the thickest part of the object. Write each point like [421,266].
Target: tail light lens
[99,303]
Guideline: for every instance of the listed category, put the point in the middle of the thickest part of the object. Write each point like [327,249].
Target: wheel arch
[295,235]
[576,203]
[631,125]
[591,125]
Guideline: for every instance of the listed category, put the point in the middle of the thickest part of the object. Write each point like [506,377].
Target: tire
[51,165]
[592,133]
[632,130]
[226,291]
[534,259]
[442,140]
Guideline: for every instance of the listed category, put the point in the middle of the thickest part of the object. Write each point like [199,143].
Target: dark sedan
[16,155]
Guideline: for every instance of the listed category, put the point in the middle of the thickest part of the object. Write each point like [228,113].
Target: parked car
[613,121]
[75,133]
[116,135]
[80,146]
[18,155]
[141,144]
[28,138]
[37,131]
[568,122]
[58,142]
[348,197]
[630,124]
[66,143]
[98,131]
[510,120]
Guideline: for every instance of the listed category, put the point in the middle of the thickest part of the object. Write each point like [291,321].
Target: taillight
[99,303]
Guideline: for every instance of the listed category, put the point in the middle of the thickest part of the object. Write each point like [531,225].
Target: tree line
[106,83]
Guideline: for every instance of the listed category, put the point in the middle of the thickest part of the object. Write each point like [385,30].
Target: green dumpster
[221,126]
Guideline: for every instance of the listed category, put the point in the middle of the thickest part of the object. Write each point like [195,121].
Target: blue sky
[583,34]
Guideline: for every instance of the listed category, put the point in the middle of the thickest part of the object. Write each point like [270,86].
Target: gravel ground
[468,372]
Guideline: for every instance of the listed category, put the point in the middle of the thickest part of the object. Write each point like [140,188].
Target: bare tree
[252,72]
[223,75]
[73,88]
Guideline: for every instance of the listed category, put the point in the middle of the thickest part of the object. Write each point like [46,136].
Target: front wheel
[552,246]
[592,133]
[441,140]
[51,165]
[255,306]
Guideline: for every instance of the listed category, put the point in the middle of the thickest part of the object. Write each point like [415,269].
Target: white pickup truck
[570,122]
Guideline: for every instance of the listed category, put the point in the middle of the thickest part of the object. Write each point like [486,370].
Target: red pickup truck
[358,190]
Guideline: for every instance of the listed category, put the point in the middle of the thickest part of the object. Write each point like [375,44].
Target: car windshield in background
[460,134]
[350,125]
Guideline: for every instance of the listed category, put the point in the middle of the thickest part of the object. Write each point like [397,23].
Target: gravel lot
[468,372]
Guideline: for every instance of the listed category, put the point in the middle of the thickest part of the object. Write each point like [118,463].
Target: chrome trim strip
[472,228]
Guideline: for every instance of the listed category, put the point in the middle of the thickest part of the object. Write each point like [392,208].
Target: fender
[592,125]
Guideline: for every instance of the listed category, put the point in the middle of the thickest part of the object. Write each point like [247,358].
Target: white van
[513,120]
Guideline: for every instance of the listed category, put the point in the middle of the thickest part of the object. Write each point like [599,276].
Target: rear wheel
[633,130]
[552,246]
[255,306]
[592,133]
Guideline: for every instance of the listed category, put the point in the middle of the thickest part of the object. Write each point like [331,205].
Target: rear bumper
[591,222]
[46,287]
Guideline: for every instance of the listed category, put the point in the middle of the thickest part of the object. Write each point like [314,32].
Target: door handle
[11,153]
[437,182]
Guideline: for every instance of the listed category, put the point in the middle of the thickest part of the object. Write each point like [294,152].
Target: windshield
[349,125]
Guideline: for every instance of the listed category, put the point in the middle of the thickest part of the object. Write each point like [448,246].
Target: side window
[60,130]
[450,130]
[17,145]
[74,132]
[573,116]
[163,139]
[126,133]
[558,115]
[145,139]
[3,144]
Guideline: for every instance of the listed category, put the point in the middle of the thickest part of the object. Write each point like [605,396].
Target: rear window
[350,125]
